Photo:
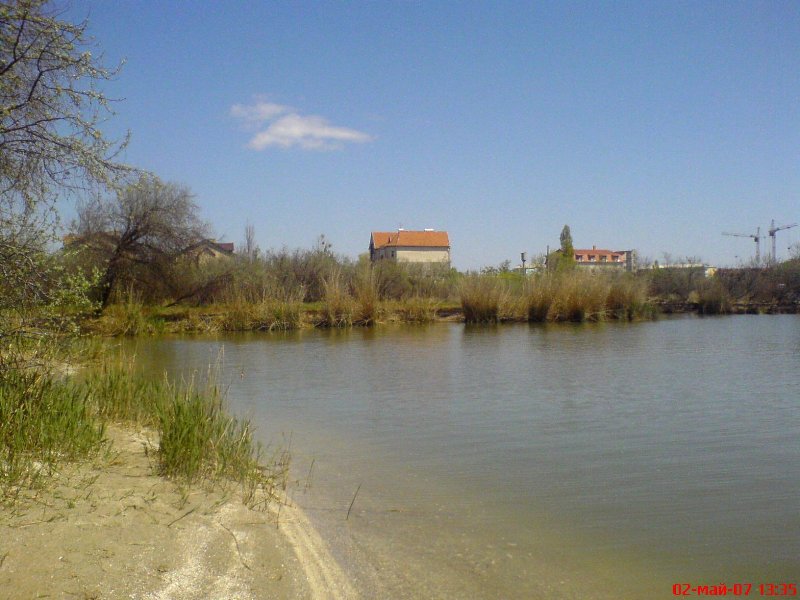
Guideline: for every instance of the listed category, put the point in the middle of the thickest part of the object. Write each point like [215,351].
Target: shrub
[712,298]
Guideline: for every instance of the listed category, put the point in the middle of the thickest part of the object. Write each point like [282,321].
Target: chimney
[594,247]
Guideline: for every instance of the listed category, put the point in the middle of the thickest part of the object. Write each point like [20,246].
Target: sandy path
[115,530]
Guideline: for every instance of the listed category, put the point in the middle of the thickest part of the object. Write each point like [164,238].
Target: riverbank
[113,528]
[124,320]
[669,307]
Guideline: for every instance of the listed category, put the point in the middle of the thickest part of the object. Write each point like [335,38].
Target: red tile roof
[417,239]
[598,252]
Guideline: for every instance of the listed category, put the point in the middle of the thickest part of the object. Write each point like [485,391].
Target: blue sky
[646,125]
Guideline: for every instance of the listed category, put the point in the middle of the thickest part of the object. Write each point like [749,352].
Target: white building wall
[423,255]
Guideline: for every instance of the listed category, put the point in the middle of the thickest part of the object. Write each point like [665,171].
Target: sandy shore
[113,529]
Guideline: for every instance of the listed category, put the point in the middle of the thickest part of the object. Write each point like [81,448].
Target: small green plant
[120,394]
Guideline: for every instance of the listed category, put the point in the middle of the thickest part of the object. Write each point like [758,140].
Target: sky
[653,126]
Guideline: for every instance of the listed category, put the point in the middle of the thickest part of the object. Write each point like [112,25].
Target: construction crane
[756,238]
[772,231]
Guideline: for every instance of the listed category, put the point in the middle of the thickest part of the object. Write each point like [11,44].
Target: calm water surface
[601,461]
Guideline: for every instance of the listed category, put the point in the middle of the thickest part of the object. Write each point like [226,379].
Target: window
[592,258]
[604,258]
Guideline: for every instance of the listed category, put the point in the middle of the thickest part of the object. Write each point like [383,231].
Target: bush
[712,297]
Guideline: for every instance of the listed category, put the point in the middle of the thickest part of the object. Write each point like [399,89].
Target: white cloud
[288,128]
[260,112]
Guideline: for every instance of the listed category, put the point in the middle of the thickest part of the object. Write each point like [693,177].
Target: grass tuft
[45,421]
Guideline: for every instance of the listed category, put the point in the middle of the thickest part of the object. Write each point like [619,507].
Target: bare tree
[143,229]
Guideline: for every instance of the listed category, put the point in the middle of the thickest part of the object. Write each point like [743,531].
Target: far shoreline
[213,319]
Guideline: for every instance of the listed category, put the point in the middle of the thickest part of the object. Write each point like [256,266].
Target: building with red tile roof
[427,246]
[601,259]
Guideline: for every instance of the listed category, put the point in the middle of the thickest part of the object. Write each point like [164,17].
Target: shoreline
[111,527]
[156,321]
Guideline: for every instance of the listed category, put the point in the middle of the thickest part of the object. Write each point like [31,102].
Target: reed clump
[416,309]
[539,293]
[482,297]
[567,296]
[274,309]
[338,306]
[627,298]
[367,298]
[580,297]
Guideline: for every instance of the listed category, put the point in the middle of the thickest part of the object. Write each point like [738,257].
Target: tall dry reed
[482,297]
[367,299]
[338,306]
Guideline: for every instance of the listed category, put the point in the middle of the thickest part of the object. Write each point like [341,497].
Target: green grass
[45,421]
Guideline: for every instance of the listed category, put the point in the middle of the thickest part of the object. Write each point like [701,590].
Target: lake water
[591,461]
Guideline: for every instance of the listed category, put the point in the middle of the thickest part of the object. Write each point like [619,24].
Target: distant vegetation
[772,288]
[291,289]
[557,296]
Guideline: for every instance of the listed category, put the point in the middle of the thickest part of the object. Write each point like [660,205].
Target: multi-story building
[428,246]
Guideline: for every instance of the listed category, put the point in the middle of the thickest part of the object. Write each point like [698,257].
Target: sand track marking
[326,579]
